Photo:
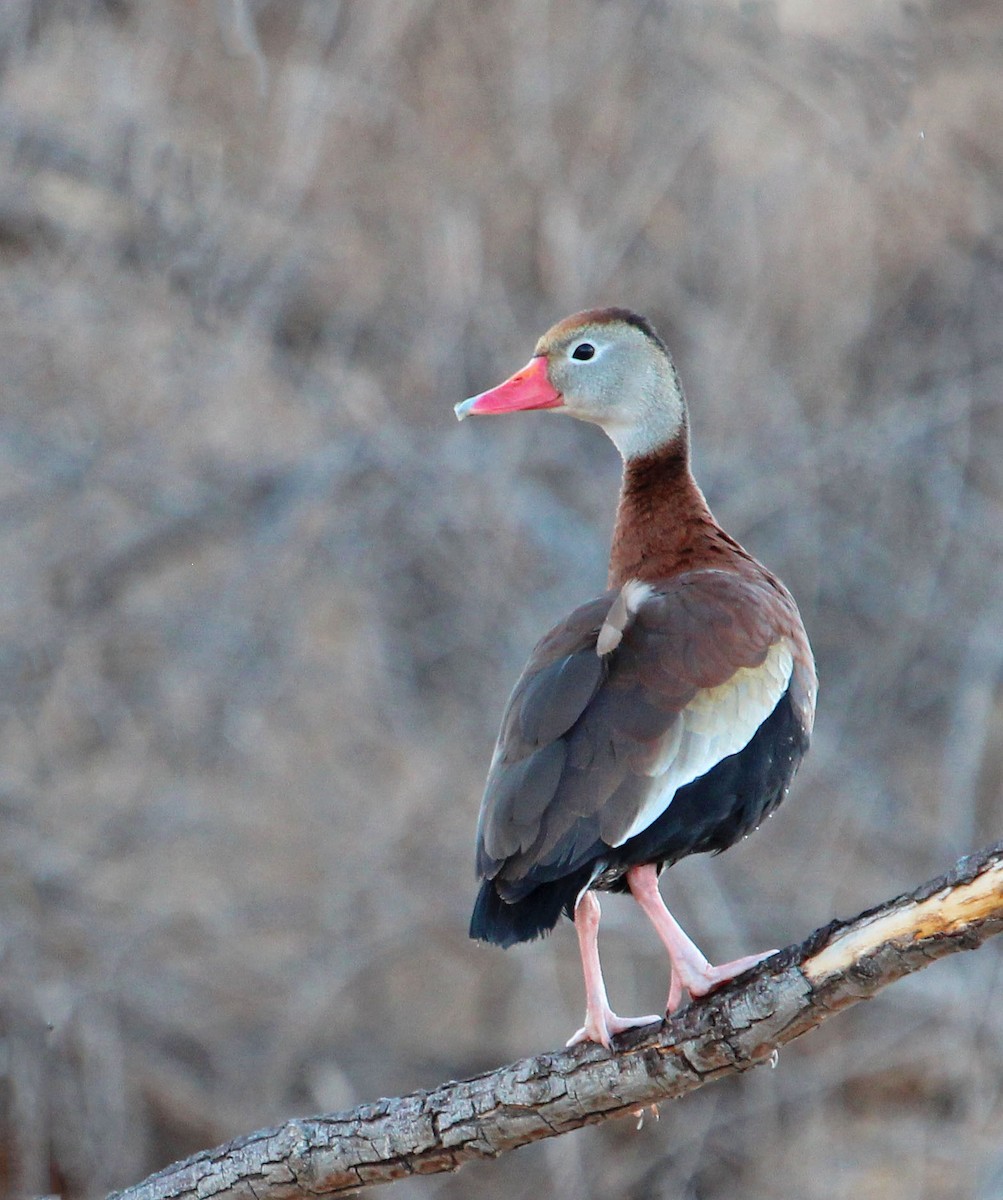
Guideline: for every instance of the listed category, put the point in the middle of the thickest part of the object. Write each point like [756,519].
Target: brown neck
[663,524]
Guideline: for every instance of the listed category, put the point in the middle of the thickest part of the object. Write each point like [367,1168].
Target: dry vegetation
[262,598]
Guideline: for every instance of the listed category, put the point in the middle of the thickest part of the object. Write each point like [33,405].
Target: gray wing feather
[588,739]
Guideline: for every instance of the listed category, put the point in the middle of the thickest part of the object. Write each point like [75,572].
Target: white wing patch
[717,722]
[630,598]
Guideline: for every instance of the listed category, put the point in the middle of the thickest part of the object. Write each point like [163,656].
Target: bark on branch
[734,1029]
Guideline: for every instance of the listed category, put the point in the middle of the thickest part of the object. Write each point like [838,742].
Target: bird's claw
[603,1026]
[691,980]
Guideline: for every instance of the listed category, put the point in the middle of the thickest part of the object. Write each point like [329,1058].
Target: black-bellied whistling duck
[664,718]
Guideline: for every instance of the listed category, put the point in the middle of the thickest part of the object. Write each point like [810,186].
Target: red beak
[528,388]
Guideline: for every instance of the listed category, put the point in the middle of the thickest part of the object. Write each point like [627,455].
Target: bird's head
[607,366]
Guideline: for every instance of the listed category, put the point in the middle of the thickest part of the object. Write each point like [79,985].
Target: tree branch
[736,1028]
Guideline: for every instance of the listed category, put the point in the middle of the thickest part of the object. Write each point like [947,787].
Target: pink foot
[698,977]
[601,1022]
[692,974]
[603,1025]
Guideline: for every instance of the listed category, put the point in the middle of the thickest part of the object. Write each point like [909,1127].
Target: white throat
[647,425]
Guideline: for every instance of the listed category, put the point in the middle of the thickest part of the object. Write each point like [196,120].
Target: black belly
[705,816]
[722,807]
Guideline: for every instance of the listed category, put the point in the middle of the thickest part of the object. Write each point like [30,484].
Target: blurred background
[262,599]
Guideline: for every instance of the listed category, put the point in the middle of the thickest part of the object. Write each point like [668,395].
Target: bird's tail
[504,922]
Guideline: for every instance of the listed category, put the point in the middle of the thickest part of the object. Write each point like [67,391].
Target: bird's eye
[583,351]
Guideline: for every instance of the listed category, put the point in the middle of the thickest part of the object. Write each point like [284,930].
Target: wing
[636,694]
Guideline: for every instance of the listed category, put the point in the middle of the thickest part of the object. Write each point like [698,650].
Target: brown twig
[734,1029]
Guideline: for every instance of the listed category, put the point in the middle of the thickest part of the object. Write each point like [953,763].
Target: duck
[664,718]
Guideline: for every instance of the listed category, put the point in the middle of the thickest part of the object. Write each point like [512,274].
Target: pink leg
[691,972]
[601,1023]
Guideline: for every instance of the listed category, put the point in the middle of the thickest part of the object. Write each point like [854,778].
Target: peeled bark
[735,1028]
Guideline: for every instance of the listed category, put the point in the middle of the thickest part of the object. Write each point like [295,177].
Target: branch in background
[736,1028]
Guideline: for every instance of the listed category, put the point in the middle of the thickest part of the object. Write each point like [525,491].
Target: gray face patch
[628,386]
